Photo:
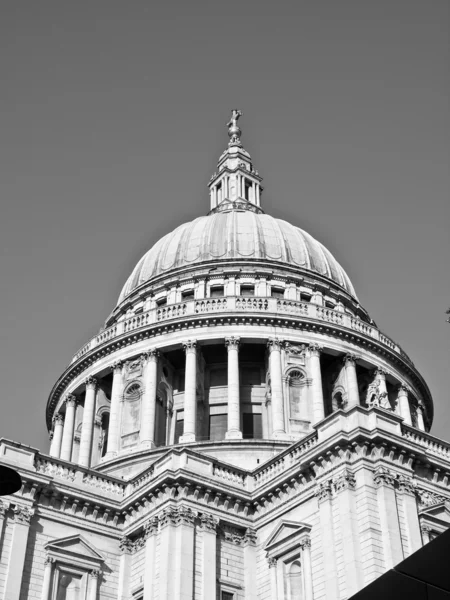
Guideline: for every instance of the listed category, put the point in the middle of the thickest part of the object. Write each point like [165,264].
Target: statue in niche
[375,397]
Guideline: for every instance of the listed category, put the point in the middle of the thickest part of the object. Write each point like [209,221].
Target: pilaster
[387,506]
[125,546]
[22,519]
[47,579]
[324,498]
[151,530]
[208,528]
[345,485]
[250,570]
[407,496]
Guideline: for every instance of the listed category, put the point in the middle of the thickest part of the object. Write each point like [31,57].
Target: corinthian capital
[151,355]
[383,476]
[275,344]
[90,382]
[23,515]
[315,349]
[208,523]
[350,359]
[190,346]
[71,401]
[232,343]
[117,366]
[57,419]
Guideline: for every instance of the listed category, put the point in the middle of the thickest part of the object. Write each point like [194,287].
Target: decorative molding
[250,537]
[151,355]
[427,498]
[49,560]
[315,349]
[275,344]
[117,366]
[57,419]
[125,545]
[95,573]
[350,359]
[272,562]
[306,543]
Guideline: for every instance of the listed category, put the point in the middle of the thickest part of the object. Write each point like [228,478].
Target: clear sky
[112,118]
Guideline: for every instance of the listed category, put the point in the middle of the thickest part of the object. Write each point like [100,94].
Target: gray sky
[112,118]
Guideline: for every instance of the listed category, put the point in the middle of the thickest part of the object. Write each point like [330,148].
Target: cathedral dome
[237,235]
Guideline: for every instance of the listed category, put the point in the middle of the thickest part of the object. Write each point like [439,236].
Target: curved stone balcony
[260,307]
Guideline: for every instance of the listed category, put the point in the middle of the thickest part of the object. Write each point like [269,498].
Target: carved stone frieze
[233,535]
[427,498]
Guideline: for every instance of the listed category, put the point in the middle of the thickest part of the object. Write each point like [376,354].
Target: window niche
[296,384]
[131,415]
[288,552]
[73,570]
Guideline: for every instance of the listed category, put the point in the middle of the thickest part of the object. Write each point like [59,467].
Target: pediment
[286,532]
[74,547]
[439,511]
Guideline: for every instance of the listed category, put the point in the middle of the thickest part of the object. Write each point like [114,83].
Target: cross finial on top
[234,131]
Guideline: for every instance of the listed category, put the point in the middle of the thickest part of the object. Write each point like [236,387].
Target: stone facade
[240,429]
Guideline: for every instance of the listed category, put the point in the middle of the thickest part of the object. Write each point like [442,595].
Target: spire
[235,185]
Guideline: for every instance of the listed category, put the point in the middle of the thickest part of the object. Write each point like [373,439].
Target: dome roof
[238,235]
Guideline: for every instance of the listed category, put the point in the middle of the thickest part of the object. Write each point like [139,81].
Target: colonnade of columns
[64,428]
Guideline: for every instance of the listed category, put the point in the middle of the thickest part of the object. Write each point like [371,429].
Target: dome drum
[243,388]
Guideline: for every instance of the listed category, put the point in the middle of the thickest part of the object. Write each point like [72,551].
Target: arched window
[131,415]
[295,585]
[298,406]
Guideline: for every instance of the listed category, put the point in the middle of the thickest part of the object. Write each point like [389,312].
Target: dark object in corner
[10,481]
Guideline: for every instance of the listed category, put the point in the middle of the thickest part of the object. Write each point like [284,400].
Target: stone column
[324,498]
[316,386]
[388,512]
[234,410]
[58,425]
[208,528]
[3,509]
[47,580]
[273,577]
[344,485]
[403,401]
[69,426]
[190,392]
[151,530]
[87,428]
[420,421]
[408,499]
[278,424]
[352,382]
[125,546]
[14,573]
[250,568]
[307,568]
[94,576]
[149,399]
[114,416]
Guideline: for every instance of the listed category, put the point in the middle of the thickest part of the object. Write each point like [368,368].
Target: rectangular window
[217,291]
[161,302]
[179,426]
[329,304]
[247,187]
[247,290]
[227,596]
[277,292]
[304,297]
[218,377]
[252,426]
[187,295]
[217,427]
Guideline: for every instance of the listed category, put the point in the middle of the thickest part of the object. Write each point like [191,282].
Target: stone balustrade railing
[432,445]
[212,306]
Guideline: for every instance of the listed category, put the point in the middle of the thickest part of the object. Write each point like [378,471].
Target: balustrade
[258,304]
